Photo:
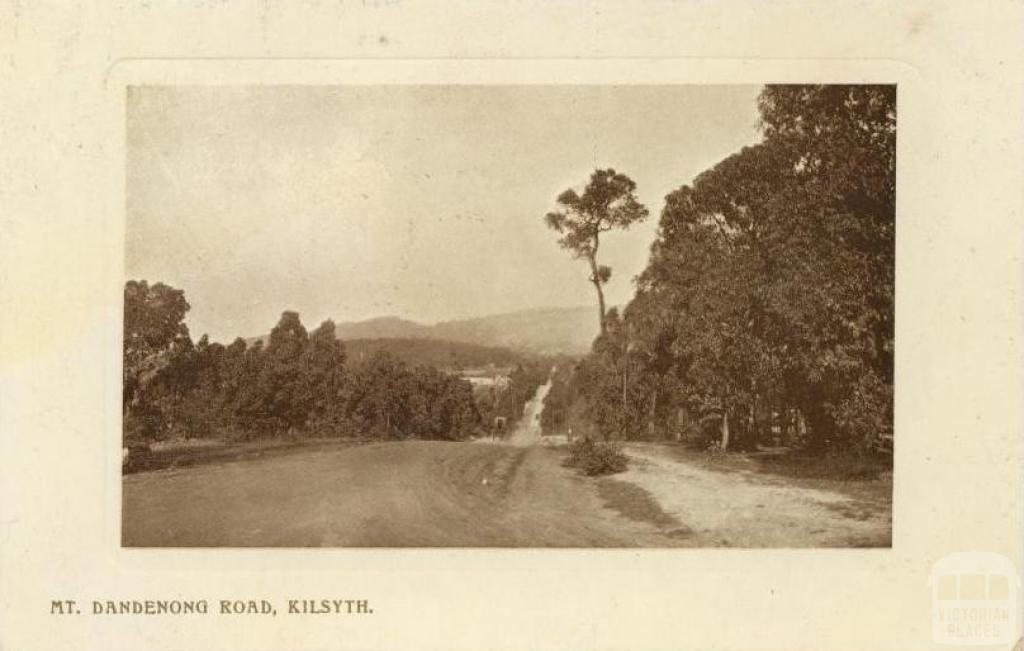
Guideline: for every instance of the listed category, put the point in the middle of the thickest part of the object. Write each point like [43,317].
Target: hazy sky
[425,202]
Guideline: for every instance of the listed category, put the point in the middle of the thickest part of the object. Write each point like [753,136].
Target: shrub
[596,458]
[865,413]
[144,423]
[713,450]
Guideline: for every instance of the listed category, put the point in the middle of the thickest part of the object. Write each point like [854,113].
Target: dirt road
[382,494]
[528,431]
[393,494]
[744,508]
[511,494]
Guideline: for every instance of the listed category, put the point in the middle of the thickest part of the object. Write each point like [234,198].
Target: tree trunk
[600,306]
[725,431]
[819,428]
[625,372]
[752,439]
[600,292]
[652,417]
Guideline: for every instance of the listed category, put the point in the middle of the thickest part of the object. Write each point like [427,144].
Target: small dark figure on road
[500,423]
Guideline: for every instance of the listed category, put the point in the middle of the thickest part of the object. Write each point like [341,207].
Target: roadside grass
[184,453]
[868,481]
[839,467]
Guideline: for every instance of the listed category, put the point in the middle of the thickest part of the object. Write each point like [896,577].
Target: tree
[289,383]
[324,374]
[607,202]
[153,325]
[602,381]
[379,396]
[285,391]
[770,285]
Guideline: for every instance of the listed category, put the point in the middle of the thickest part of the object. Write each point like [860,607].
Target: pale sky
[425,202]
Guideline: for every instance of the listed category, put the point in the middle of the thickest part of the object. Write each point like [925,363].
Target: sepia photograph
[476,326]
[540,316]
[464,326]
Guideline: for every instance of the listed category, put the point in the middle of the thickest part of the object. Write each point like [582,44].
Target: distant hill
[384,327]
[543,331]
[568,330]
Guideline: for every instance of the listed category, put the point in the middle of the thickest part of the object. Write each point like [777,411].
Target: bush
[596,458]
[865,413]
[144,423]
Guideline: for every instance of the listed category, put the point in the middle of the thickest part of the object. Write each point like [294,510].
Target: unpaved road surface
[416,494]
[752,509]
[528,431]
[514,493]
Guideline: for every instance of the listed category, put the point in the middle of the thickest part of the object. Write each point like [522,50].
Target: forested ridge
[299,383]
[766,310]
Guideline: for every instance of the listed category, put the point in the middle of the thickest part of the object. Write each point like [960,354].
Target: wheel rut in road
[396,494]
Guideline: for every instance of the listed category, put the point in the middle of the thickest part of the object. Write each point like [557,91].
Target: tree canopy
[607,202]
[298,383]
[768,297]
[153,325]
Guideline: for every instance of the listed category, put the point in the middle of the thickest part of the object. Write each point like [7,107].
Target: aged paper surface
[65,551]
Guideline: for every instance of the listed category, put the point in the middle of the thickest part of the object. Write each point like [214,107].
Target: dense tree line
[767,305]
[557,415]
[452,355]
[296,383]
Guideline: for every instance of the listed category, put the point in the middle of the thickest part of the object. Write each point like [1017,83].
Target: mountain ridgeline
[539,331]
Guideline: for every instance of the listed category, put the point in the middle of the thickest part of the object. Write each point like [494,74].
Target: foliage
[452,355]
[298,384]
[153,328]
[555,416]
[609,201]
[596,458]
[768,298]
